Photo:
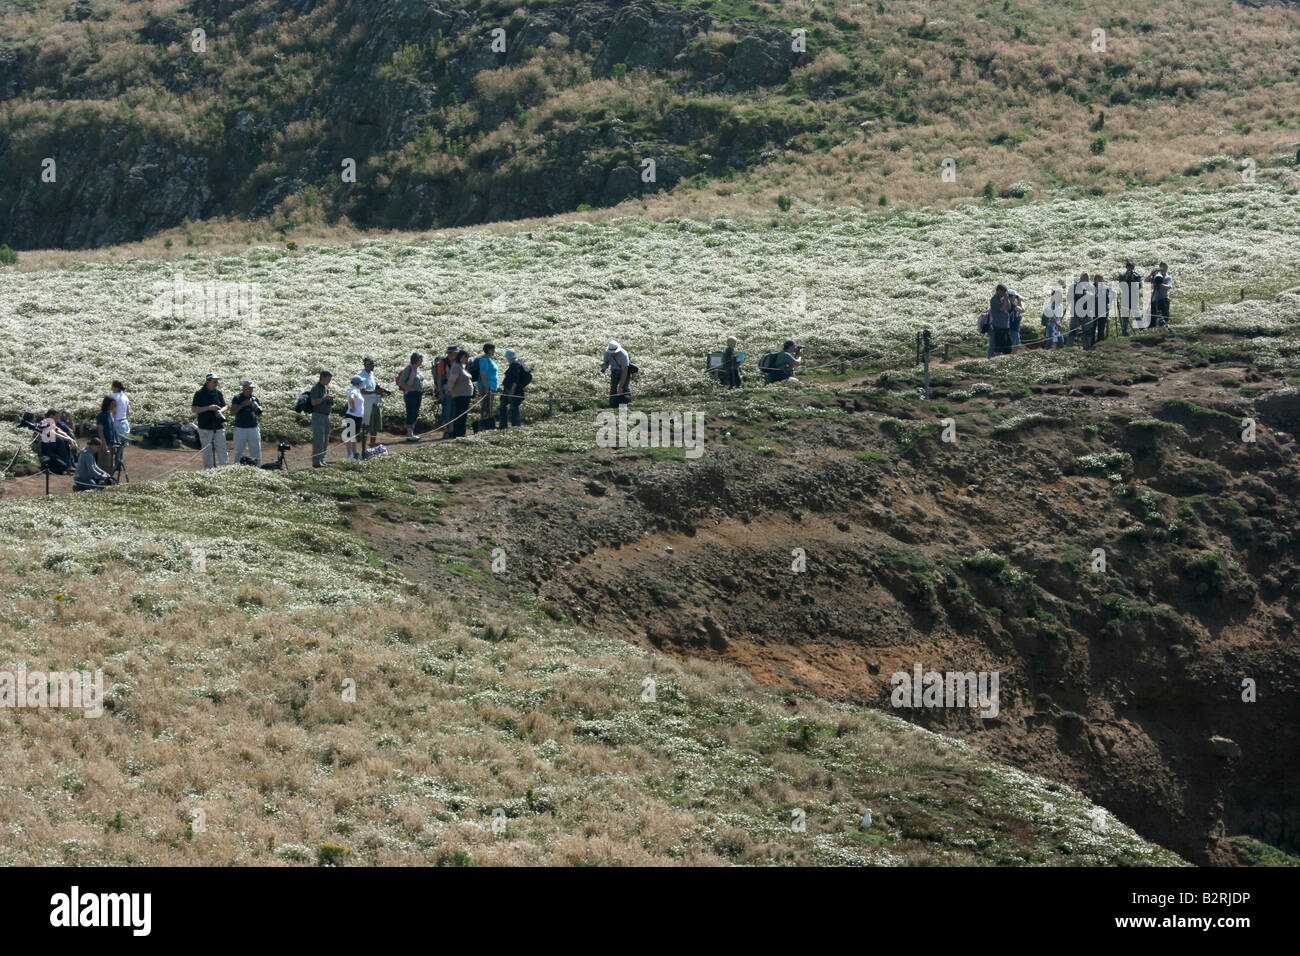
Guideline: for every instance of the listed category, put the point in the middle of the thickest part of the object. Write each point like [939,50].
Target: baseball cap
[212,378]
[789,344]
[367,361]
[247,383]
[357,379]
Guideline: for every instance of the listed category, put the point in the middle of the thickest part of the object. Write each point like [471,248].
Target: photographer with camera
[248,410]
[210,407]
[89,476]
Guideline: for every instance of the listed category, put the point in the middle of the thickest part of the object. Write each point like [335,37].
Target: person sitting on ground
[487,382]
[512,391]
[786,361]
[106,430]
[354,419]
[619,363]
[731,364]
[89,476]
[121,412]
[1000,312]
[56,441]
[461,389]
[410,382]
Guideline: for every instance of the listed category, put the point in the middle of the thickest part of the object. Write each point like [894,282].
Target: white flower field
[842,283]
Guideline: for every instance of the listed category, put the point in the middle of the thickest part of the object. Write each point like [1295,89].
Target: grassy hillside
[225,694]
[150,134]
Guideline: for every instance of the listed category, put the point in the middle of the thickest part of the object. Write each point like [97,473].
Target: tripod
[119,472]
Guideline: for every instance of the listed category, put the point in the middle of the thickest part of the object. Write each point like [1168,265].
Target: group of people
[1088,305]
[456,381]
[94,464]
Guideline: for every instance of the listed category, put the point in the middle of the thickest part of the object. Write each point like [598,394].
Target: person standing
[372,394]
[441,375]
[1017,314]
[354,419]
[1161,285]
[410,382]
[322,406]
[122,413]
[1129,298]
[731,364]
[518,377]
[619,363]
[1000,309]
[1081,297]
[1101,296]
[248,433]
[210,407]
[1053,313]
[106,430]
[461,389]
[488,381]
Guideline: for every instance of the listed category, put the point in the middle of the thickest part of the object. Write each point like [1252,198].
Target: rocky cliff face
[145,132]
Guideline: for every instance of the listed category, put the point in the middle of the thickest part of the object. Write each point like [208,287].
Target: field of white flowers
[844,283]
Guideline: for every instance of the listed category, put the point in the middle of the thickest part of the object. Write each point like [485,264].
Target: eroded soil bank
[973,555]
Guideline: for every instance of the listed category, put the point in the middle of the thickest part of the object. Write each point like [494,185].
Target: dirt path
[153,464]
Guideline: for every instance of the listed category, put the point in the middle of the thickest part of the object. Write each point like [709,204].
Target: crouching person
[89,476]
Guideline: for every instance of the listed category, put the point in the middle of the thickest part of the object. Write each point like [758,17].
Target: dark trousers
[619,396]
[413,400]
[510,407]
[485,417]
[1001,341]
[1123,324]
[1160,312]
[459,412]
[1103,323]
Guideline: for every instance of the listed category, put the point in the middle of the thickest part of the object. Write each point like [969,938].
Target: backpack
[983,324]
[190,436]
[525,376]
[472,368]
[303,404]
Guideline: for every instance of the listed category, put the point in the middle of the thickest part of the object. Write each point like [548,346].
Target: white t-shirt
[122,411]
[356,401]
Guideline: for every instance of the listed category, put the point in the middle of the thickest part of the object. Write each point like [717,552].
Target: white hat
[612,347]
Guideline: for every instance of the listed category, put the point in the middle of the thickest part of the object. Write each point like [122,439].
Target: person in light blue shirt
[487,381]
